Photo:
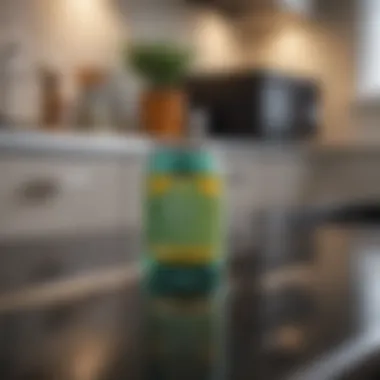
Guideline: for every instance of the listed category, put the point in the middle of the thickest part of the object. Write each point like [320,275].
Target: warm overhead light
[82,5]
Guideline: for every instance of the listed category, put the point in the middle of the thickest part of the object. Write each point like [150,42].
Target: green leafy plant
[160,64]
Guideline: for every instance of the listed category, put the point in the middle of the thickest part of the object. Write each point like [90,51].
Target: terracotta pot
[163,112]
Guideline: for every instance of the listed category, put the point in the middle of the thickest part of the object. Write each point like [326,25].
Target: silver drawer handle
[38,190]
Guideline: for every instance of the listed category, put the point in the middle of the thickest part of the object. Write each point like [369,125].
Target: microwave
[262,105]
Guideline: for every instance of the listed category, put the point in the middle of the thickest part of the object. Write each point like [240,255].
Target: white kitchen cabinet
[55,194]
[63,216]
[260,181]
[344,178]
[265,179]
[43,196]
[132,187]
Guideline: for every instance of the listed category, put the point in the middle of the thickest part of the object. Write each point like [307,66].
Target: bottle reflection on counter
[182,338]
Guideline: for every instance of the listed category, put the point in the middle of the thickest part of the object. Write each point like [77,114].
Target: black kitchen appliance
[262,105]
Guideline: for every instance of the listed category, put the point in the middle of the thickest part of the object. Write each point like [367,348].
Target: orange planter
[163,112]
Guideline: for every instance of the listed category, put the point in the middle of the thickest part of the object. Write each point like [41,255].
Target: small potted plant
[163,67]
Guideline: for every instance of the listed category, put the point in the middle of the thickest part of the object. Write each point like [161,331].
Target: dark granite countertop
[90,329]
[97,334]
[92,335]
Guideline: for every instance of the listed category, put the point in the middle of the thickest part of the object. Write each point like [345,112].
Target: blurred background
[289,92]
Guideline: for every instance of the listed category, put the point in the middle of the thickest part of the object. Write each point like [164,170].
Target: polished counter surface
[61,142]
[72,333]
[103,145]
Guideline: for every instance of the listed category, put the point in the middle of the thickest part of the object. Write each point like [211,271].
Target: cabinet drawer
[344,179]
[133,192]
[263,184]
[40,196]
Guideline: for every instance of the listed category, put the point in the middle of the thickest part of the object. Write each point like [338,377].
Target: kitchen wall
[62,34]
[67,34]
[70,33]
